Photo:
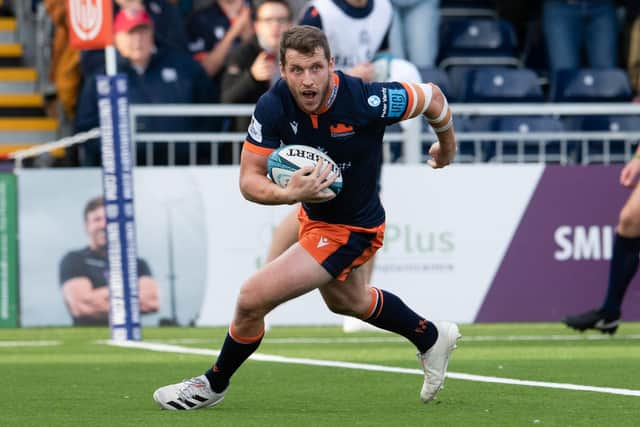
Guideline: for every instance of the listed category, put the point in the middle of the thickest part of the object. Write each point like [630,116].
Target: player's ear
[331,64]
[282,71]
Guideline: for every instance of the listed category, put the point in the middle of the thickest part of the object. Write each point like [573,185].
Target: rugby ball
[286,160]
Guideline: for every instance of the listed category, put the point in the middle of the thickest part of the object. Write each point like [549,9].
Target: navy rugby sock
[233,354]
[388,312]
[624,265]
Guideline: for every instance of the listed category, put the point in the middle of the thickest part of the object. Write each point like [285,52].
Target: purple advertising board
[558,260]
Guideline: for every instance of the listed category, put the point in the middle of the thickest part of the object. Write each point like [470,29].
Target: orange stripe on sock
[372,306]
[244,340]
[380,304]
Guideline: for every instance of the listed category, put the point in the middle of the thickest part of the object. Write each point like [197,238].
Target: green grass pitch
[79,381]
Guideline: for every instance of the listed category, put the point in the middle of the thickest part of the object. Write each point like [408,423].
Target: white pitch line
[382,339]
[167,348]
[28,343]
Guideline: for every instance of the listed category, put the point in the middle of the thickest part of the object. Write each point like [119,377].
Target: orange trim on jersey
[420,101]
[244,340]
[332,94]
[263,151]
[410,101]
[314,120]
[199,56]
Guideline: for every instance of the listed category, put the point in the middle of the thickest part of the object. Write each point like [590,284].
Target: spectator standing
[570,26]
[64,69]
[253,68]
[161,77]
[368,23]
[415,31]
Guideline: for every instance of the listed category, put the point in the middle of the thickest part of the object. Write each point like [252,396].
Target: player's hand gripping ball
[286,160]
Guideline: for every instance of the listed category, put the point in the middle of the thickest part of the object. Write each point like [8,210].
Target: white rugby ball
[286,160]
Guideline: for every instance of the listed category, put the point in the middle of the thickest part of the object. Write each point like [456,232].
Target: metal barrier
[561,147]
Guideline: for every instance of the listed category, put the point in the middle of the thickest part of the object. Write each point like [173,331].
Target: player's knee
[249,304]
[629,223]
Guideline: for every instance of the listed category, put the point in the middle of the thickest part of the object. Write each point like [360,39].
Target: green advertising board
[8,251]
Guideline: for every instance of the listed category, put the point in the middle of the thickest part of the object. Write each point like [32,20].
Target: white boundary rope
[36,150]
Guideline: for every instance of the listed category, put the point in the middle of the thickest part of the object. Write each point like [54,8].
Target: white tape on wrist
[443,113]
[445,127]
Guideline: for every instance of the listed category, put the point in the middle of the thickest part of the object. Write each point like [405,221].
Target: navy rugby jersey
[350,131]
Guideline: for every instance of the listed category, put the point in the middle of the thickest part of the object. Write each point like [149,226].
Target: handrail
[492,109]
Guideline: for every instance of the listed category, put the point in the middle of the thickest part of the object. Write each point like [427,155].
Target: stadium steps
[7,30]
[10,54]
[17,80]
[21,105]
[22,109]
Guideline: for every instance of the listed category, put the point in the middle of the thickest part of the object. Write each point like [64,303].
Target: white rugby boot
[435,360]
[192,393]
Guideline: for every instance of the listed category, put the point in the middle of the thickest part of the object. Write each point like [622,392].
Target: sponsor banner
[117,184]
[558,260]
[451,235]
[8,251]
[90,23]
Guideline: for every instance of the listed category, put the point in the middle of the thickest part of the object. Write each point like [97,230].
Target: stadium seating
[606,151]
[501,84]
[449,8]
[439,77]
[506,151]
[477,41]
[590,85]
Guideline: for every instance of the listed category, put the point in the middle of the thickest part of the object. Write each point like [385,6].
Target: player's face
[308,78]
[96,223]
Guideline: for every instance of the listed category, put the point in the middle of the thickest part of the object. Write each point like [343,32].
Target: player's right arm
[305,185]
[263,138]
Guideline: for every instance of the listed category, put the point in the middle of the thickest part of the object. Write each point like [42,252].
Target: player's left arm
[428,100]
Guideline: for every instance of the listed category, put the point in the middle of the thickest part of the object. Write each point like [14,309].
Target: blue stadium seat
[467,8]
[608,150]
[590,85]
[478,41]
[439,77]
[510,150]
[500,84]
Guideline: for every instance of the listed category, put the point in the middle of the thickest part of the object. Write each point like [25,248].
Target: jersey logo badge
[294,127]
[255,129]
[341,130]
[373,101]
[323,242]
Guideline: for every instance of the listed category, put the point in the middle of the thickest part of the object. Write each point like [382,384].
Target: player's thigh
[350,296]
[290,275]
[629,222]
[285,235]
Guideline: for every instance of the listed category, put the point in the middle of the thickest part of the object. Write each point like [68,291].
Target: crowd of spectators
[210,51]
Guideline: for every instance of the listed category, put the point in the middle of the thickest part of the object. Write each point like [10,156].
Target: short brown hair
[304,39]
[92,205]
